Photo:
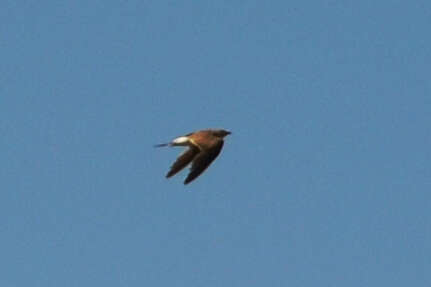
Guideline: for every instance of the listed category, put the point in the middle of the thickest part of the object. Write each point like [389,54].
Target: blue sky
[325,180]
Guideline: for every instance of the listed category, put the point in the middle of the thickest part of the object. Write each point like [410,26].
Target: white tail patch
[181,141]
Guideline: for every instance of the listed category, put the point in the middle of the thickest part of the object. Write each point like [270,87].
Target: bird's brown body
[204,147]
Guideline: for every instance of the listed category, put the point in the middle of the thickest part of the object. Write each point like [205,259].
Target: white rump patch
[181,141]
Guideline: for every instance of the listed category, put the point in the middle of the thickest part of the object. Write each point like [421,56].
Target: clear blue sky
[325,181]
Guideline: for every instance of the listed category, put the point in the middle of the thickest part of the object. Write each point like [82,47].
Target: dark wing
[183,160]
[203,160]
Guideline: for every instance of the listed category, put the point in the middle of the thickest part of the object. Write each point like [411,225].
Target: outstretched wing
[203,160]
[183,160]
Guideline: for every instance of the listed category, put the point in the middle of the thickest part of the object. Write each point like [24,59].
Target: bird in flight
[203,147]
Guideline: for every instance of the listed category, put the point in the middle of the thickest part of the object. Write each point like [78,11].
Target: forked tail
[162,145]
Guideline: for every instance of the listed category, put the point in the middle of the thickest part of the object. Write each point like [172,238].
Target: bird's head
[221,133]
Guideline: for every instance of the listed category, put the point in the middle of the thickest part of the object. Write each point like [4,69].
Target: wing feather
[203,160]
[183,160]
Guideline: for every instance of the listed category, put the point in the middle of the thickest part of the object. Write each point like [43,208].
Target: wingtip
[169,174]
[188,180]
